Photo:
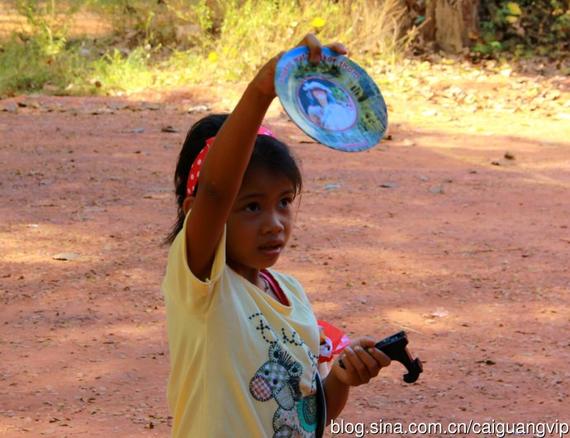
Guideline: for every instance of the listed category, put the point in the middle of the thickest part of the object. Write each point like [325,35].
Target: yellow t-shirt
[242,363]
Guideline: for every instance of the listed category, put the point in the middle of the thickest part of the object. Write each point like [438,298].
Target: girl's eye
[252,207]
[285,202]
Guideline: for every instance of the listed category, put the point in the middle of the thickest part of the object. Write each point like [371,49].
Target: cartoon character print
[279,379]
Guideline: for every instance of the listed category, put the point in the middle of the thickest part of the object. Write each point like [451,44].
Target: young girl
[244,341]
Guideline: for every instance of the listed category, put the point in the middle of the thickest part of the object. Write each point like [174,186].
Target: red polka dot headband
[199,161]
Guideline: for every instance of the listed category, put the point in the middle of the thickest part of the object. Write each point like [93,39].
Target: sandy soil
[422,233]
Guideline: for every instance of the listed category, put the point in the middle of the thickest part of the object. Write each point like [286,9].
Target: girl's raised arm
[225,165]
[221,177]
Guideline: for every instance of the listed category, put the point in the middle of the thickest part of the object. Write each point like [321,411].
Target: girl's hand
[362,361]
[264,81]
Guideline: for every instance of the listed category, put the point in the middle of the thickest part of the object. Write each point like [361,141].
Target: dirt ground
[455,230]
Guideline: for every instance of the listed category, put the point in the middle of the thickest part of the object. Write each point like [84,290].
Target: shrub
[525,27]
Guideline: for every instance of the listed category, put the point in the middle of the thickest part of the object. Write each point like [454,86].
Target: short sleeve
[180,284]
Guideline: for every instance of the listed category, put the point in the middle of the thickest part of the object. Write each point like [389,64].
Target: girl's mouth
[273,248]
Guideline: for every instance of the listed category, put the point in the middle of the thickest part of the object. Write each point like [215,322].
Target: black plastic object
[395,348]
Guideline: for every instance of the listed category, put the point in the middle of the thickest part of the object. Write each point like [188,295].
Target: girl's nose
[273,223]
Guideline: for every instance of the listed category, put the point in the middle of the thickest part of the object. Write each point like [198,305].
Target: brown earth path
[422,233]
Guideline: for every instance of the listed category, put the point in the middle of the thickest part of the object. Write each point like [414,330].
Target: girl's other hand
[264,81]
[362,361]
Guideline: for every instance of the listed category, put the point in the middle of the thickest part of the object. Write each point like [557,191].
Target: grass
[27,67]
[225,40]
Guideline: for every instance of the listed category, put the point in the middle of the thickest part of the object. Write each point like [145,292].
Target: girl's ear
[187,204]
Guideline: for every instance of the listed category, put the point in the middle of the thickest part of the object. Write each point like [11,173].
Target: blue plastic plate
[334,102]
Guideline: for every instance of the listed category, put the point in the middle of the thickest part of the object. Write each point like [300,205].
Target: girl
[243,340]
[325,111]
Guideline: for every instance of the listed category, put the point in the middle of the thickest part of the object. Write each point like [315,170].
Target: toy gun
[395,348]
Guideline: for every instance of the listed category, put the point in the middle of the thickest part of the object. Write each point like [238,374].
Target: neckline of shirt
[272,301]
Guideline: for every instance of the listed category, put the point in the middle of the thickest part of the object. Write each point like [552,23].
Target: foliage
[42,56]
[373,29]
[118,72]
[26,66]
[525,27]
[139,22]
[169,43]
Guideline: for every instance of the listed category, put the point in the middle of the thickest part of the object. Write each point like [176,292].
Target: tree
[452,24]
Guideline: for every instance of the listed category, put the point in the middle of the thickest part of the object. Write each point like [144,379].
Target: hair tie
[199,160]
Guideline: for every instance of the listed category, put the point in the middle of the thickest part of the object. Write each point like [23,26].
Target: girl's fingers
[357,365]
[345,368]
[314,45]
[315,49]
[308,39]
[380,357]
[370,346]
[365,342]
[371,364]
[361,362]
[338,48]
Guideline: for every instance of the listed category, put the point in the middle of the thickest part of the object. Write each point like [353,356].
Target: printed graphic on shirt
[279,379]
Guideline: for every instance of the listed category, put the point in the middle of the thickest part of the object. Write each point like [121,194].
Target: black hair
[268,152]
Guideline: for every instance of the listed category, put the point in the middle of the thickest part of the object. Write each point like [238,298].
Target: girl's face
[321,96]
[260,222]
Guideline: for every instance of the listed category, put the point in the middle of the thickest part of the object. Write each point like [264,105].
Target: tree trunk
[452,24]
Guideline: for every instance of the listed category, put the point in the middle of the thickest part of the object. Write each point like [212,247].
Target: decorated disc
[335,101]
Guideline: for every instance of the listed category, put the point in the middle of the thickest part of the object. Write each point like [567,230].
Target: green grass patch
[180,42]
[27,67]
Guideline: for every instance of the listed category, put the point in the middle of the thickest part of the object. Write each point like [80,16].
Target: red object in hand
[333,341]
